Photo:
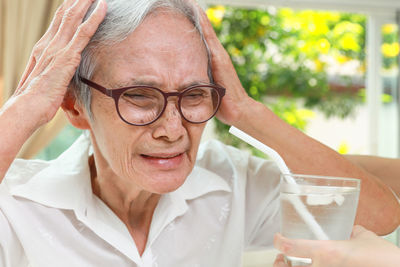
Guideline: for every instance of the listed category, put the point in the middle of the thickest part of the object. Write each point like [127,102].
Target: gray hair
[122,18]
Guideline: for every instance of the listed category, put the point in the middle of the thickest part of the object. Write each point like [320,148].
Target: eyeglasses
[141,105]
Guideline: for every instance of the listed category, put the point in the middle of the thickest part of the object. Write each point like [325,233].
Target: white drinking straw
[296,202]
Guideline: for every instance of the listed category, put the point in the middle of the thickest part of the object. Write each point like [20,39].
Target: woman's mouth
[164,161]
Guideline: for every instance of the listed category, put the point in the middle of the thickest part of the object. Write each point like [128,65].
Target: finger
[280,261]
[45,40]
[71,20]
[87,29]
[221,61]
[55,23]
[208,30]
[70,54]
[357,230]
[296,247]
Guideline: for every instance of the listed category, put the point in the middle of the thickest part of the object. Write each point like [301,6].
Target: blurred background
[327,67]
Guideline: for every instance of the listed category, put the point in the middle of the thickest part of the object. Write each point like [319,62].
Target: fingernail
[283,244]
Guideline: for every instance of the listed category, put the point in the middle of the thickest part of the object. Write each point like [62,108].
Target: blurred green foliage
[282,56]
[59,144]
[390,47]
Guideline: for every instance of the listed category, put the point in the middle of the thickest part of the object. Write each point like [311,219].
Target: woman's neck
[134,207]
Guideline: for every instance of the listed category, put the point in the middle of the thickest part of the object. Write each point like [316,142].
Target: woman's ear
[75,112]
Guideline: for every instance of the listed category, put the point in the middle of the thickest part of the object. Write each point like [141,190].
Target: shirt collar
[174,204]
[61,183]
[200,182]
[65,182]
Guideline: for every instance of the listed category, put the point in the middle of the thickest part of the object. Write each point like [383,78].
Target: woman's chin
[162,184]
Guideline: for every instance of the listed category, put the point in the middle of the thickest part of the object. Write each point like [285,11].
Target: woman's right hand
[55,58]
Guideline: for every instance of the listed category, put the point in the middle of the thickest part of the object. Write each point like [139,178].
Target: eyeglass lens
[144,105]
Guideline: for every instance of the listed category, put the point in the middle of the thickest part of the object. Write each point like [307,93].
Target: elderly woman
[143,77]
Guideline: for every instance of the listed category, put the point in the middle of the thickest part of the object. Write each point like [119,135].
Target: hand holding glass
[332,201]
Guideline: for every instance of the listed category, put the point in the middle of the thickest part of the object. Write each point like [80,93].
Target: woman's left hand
[236,100]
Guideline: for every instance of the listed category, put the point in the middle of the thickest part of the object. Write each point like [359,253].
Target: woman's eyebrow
[135,82]
[184,86]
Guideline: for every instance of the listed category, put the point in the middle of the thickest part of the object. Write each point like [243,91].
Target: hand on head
[57,54]
[362,250]
[236,99]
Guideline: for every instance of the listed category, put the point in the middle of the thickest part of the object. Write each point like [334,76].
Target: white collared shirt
[49,216]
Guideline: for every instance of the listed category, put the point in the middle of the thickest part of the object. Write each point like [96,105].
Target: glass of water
[331,203]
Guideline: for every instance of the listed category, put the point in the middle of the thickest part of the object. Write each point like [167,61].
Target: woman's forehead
[163,45]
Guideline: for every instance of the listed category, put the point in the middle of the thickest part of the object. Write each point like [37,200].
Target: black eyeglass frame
[116,94]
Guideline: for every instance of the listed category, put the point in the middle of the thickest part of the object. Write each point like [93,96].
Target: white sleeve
[11,252]
[262,203]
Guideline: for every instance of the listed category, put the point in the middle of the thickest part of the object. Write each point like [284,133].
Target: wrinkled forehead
[166,30]
[165,43]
